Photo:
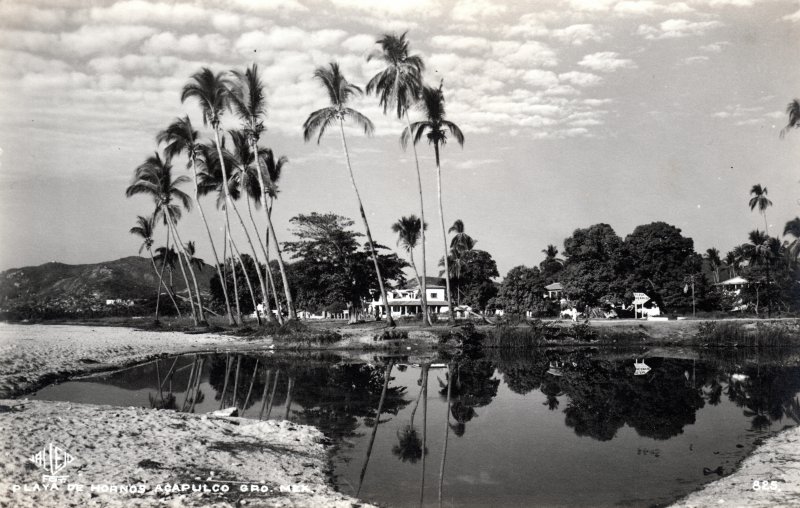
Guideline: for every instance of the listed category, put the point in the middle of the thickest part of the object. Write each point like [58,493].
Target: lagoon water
[545,428]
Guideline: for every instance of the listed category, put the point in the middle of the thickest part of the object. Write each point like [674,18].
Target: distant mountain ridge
[128,278]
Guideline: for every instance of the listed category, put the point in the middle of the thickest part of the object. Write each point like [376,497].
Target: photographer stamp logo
[53,459]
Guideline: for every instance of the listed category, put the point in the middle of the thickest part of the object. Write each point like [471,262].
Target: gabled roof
[556,286]
[430,282]
[734,281]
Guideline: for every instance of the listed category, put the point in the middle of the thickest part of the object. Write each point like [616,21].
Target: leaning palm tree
[712,255]
[180,137]
[793,110]
[246,184]
[144,229]
[398,86]
[212,92]
[250,105]
[436,127]
[154,178]
[210,180]
[409,230]
[340,91]
[761,201]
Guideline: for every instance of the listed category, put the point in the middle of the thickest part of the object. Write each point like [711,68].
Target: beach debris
[228,411]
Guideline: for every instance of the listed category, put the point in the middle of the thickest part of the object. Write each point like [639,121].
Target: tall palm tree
[340,91]
[732,262]
[247,185]
[168,258]
[409,230]
[210,180]
[793,228]
[793,110]
[436,126]
[712,255]
[154,178]
[214,96]
[144,229]
[180,137]
[399,86]
[761,201]
[250,105]
[460,245]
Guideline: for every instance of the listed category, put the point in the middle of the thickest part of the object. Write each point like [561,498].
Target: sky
[574,112]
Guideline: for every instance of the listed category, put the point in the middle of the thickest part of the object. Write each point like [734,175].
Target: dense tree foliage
[332,267]
[595,260]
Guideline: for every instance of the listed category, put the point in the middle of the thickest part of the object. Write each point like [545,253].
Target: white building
[407,301]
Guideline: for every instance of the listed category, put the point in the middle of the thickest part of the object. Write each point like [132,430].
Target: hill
[59,285]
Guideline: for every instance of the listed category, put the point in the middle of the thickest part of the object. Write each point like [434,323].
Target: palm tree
[761,201]
[712,255]
[436,127]
[409,230]
[194,261]
[212,92]
[762,250]
[246,184]
[793,228]
[460,245]
[551,253]
[180,137]
[251,106]
[144,229]
[210,180]
[340,91]
[399,86]
[793,110]
[732,262]
[154,178]
[168,258]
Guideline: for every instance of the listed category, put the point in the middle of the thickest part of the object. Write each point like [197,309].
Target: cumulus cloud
[461,43]
[794,17]
[476,10]
[530,53]
[632,8]
[579,34]
[676,28]
[714,47]
[580,78]
[696,59]
[606,61]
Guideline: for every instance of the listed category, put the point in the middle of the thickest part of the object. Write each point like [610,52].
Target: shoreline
[33,360]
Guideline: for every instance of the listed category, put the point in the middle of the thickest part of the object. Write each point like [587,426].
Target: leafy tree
[246,303]
[661,259]
[595,266]
[332,266]
[521,290]
[437,127]
[475,280]
[340,92]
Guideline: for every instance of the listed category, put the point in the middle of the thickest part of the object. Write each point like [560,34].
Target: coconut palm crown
[435,124]
[154,178]
[144,229]
[408,230]
[340,92]
[213,93]
[399,85]
[248,100]
[793,110]
[761,201]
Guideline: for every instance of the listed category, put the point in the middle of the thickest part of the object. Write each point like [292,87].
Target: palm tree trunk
[250,391]
[234,277]
[271,230]
[229,203]
[424,429]
[213,248]
[162,283]
[270,281]
[185,280]
[161,278]
[225,384]
[191,270]
[766,227]
[424,284]
[272,395]
[366,226]
[419,284]
[246,277]
[451,317]
[236,381]
[387,375]
[264,394]
[288,398]
[446,430]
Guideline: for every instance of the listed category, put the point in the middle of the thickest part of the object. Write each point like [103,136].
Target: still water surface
[550,428]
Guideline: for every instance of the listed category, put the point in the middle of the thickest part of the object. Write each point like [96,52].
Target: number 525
[765,485]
